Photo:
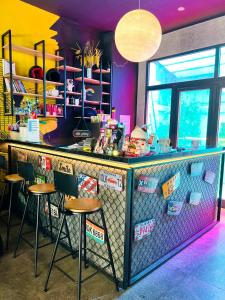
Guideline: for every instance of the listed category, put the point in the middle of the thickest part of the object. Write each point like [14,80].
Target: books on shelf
[6,67]
[18,85]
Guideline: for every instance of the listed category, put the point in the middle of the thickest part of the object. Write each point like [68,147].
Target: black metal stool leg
[54,253]
[9,216]
[109,249]
[85,241]
[68,236]
[50,216]
[21,226]
[80,259]
[2,195]
[37,236]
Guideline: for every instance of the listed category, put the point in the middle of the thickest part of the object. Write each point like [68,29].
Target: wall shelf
[98,71]
[92,81]
[33,52]
[33,95]
[70,69]
[24,78]
[71,93]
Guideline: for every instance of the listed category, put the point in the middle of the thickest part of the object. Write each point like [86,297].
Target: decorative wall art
[171,185]
[111,180]
[195,198]
[143,229]
[209,177]
[21,156]
[65,168]
[147,184]
[40,179]
[95,232]
[196,169]
[44,162]
[174,208]
[88,184]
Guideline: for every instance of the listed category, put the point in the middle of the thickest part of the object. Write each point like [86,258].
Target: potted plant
[92,55]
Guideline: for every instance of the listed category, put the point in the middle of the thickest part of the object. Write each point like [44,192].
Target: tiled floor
[198,272]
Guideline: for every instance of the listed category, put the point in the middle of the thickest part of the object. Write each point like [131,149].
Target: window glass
[221,131]
[222,62]
[197,65]
[158,112]
[194,105]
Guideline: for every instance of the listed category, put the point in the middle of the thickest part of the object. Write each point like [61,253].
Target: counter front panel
[170,231]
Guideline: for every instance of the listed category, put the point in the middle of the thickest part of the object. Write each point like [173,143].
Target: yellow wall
[29,25]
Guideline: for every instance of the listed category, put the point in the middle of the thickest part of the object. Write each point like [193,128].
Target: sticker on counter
[44,162]
[171,185]
[196,169]
[143,229]
[65,168]
[147,184]
[209,177]
[174,208]
[40,179]
[195,198]
[21,156]
[111,180]
[88,184]
[95,232]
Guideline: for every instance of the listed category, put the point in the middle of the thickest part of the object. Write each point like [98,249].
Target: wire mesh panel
[114,204]
[171,231]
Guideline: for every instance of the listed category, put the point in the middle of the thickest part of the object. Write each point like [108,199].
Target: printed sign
[45,163]
[174,208]
[65,168]
[171,185]
[143,229]
[54,210]
[33,130]
[195,198]
[147,184]
[88,184]
[111,180]
[209,177]
[40,179]
[95,232]
[22,156]
[196,169]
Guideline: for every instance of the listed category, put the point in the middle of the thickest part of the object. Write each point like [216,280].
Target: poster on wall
[174,208]
[40,179]
[95,232]
[87,184]
[65,168]
[209,177]
[143,229]
[21,156]
[147,184]
[111,180]
[195,198]
[171,185]
[196,169]
[44,162]
[54,210]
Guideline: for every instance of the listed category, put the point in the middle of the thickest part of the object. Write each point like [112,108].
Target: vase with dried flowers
[92,55]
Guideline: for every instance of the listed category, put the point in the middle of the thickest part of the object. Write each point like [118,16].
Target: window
[221,131]
[194,106]
[222,62]
[197,65]
[158,106]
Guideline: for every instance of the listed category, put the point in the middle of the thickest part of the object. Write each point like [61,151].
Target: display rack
[7,45]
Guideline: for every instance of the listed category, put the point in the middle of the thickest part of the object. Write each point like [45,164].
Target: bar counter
[143,230]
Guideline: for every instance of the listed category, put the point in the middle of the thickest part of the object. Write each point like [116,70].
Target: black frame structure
[215,86]
[8,36]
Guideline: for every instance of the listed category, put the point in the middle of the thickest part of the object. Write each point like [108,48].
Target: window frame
[215,85]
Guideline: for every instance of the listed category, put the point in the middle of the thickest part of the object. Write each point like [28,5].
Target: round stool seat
[83,205]
[14,178]
[41,189]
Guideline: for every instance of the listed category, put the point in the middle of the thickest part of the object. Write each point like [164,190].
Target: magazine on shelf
[18,86]
[6,67]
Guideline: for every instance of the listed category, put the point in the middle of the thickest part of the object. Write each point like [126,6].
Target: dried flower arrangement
[92,54]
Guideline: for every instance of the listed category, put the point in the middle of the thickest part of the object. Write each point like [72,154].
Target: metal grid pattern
[113,204]
[172,231]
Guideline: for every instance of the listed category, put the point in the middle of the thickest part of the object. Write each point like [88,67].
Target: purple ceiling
[104,15]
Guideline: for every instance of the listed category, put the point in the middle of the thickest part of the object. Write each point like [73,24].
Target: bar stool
[11,180]
[38,191]
[81,207]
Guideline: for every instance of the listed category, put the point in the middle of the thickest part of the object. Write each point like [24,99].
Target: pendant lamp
[138,35]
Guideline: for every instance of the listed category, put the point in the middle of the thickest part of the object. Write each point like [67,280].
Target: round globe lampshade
[138,35]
